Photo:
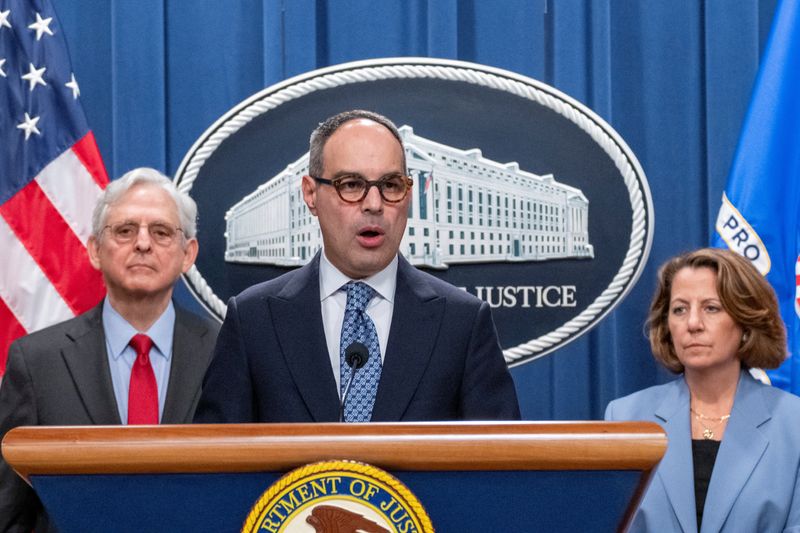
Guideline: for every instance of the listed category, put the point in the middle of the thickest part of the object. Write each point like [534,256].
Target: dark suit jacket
[755,485]
[60,376]
[271,363]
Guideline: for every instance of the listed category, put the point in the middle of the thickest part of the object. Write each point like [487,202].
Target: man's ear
[189,255]
[309,187]
[92,247]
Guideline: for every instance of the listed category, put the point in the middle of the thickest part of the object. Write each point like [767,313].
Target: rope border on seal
[344,466]
[534,348]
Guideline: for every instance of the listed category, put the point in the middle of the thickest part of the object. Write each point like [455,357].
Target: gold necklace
[708,433]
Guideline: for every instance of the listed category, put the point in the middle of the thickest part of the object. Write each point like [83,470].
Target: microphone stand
[356,356]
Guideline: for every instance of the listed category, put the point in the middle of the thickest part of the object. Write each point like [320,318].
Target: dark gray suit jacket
[60,376]
[271,364]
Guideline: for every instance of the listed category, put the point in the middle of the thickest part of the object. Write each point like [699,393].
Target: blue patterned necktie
[358,327]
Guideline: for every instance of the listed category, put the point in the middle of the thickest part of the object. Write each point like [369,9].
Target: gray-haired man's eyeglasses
[126,232]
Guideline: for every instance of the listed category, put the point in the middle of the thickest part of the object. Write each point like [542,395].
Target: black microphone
[356,356]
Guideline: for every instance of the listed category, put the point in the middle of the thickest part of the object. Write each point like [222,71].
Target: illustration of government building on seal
[464,208]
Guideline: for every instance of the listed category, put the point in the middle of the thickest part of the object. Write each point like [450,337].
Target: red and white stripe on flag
[51,175]
[46,277]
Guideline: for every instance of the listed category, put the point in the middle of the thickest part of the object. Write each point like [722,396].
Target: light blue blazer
[754,486]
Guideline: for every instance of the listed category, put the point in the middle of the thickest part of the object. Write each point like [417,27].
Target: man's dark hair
[324,131]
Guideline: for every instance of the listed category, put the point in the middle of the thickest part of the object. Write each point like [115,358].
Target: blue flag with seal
[760,213]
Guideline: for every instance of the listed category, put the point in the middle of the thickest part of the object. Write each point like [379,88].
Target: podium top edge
[278,447]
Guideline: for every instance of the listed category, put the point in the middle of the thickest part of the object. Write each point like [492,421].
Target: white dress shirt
[333,302]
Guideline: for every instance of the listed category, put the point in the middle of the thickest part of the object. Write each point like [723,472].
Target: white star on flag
[50,178]
[4,18]
[41,26]
[29,126]
[72,84]
[35,76]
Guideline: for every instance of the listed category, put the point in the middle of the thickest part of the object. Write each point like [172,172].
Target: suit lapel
[676,468]
[87,361]
[187,370]
[741,449]
[297,317]
[415,325]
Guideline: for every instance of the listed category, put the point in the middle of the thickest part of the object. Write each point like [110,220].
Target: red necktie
[143,391]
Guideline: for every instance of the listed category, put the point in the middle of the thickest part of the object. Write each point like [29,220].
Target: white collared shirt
[333,302]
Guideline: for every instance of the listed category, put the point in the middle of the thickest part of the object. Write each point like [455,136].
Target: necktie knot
[358,296]
[142,344]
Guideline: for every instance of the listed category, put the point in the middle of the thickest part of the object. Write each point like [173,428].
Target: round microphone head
[356,355]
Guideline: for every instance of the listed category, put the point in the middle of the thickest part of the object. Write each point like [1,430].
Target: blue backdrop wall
[673,77]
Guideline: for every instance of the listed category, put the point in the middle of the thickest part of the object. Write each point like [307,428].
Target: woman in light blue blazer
[734,443]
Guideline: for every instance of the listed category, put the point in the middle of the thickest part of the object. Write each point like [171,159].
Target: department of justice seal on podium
[338,497]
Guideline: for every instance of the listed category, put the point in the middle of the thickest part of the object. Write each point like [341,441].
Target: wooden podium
[473,476]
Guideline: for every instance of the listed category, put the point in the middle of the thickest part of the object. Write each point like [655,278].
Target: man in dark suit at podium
[408,346]
[133,359]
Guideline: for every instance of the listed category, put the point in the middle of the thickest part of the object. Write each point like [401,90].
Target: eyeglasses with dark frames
[352,188]
[126,232]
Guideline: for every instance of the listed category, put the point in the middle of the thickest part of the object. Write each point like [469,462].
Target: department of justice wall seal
[338,497]
[521,195]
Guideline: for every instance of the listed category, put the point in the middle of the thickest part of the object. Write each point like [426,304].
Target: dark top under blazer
[442,362]
[61,376]
[755,484]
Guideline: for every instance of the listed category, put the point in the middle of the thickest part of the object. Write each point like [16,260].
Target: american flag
[51,174]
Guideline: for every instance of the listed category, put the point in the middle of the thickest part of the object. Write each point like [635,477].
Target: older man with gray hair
[134,359]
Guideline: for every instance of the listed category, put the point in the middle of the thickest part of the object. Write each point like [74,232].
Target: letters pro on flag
[760,213]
